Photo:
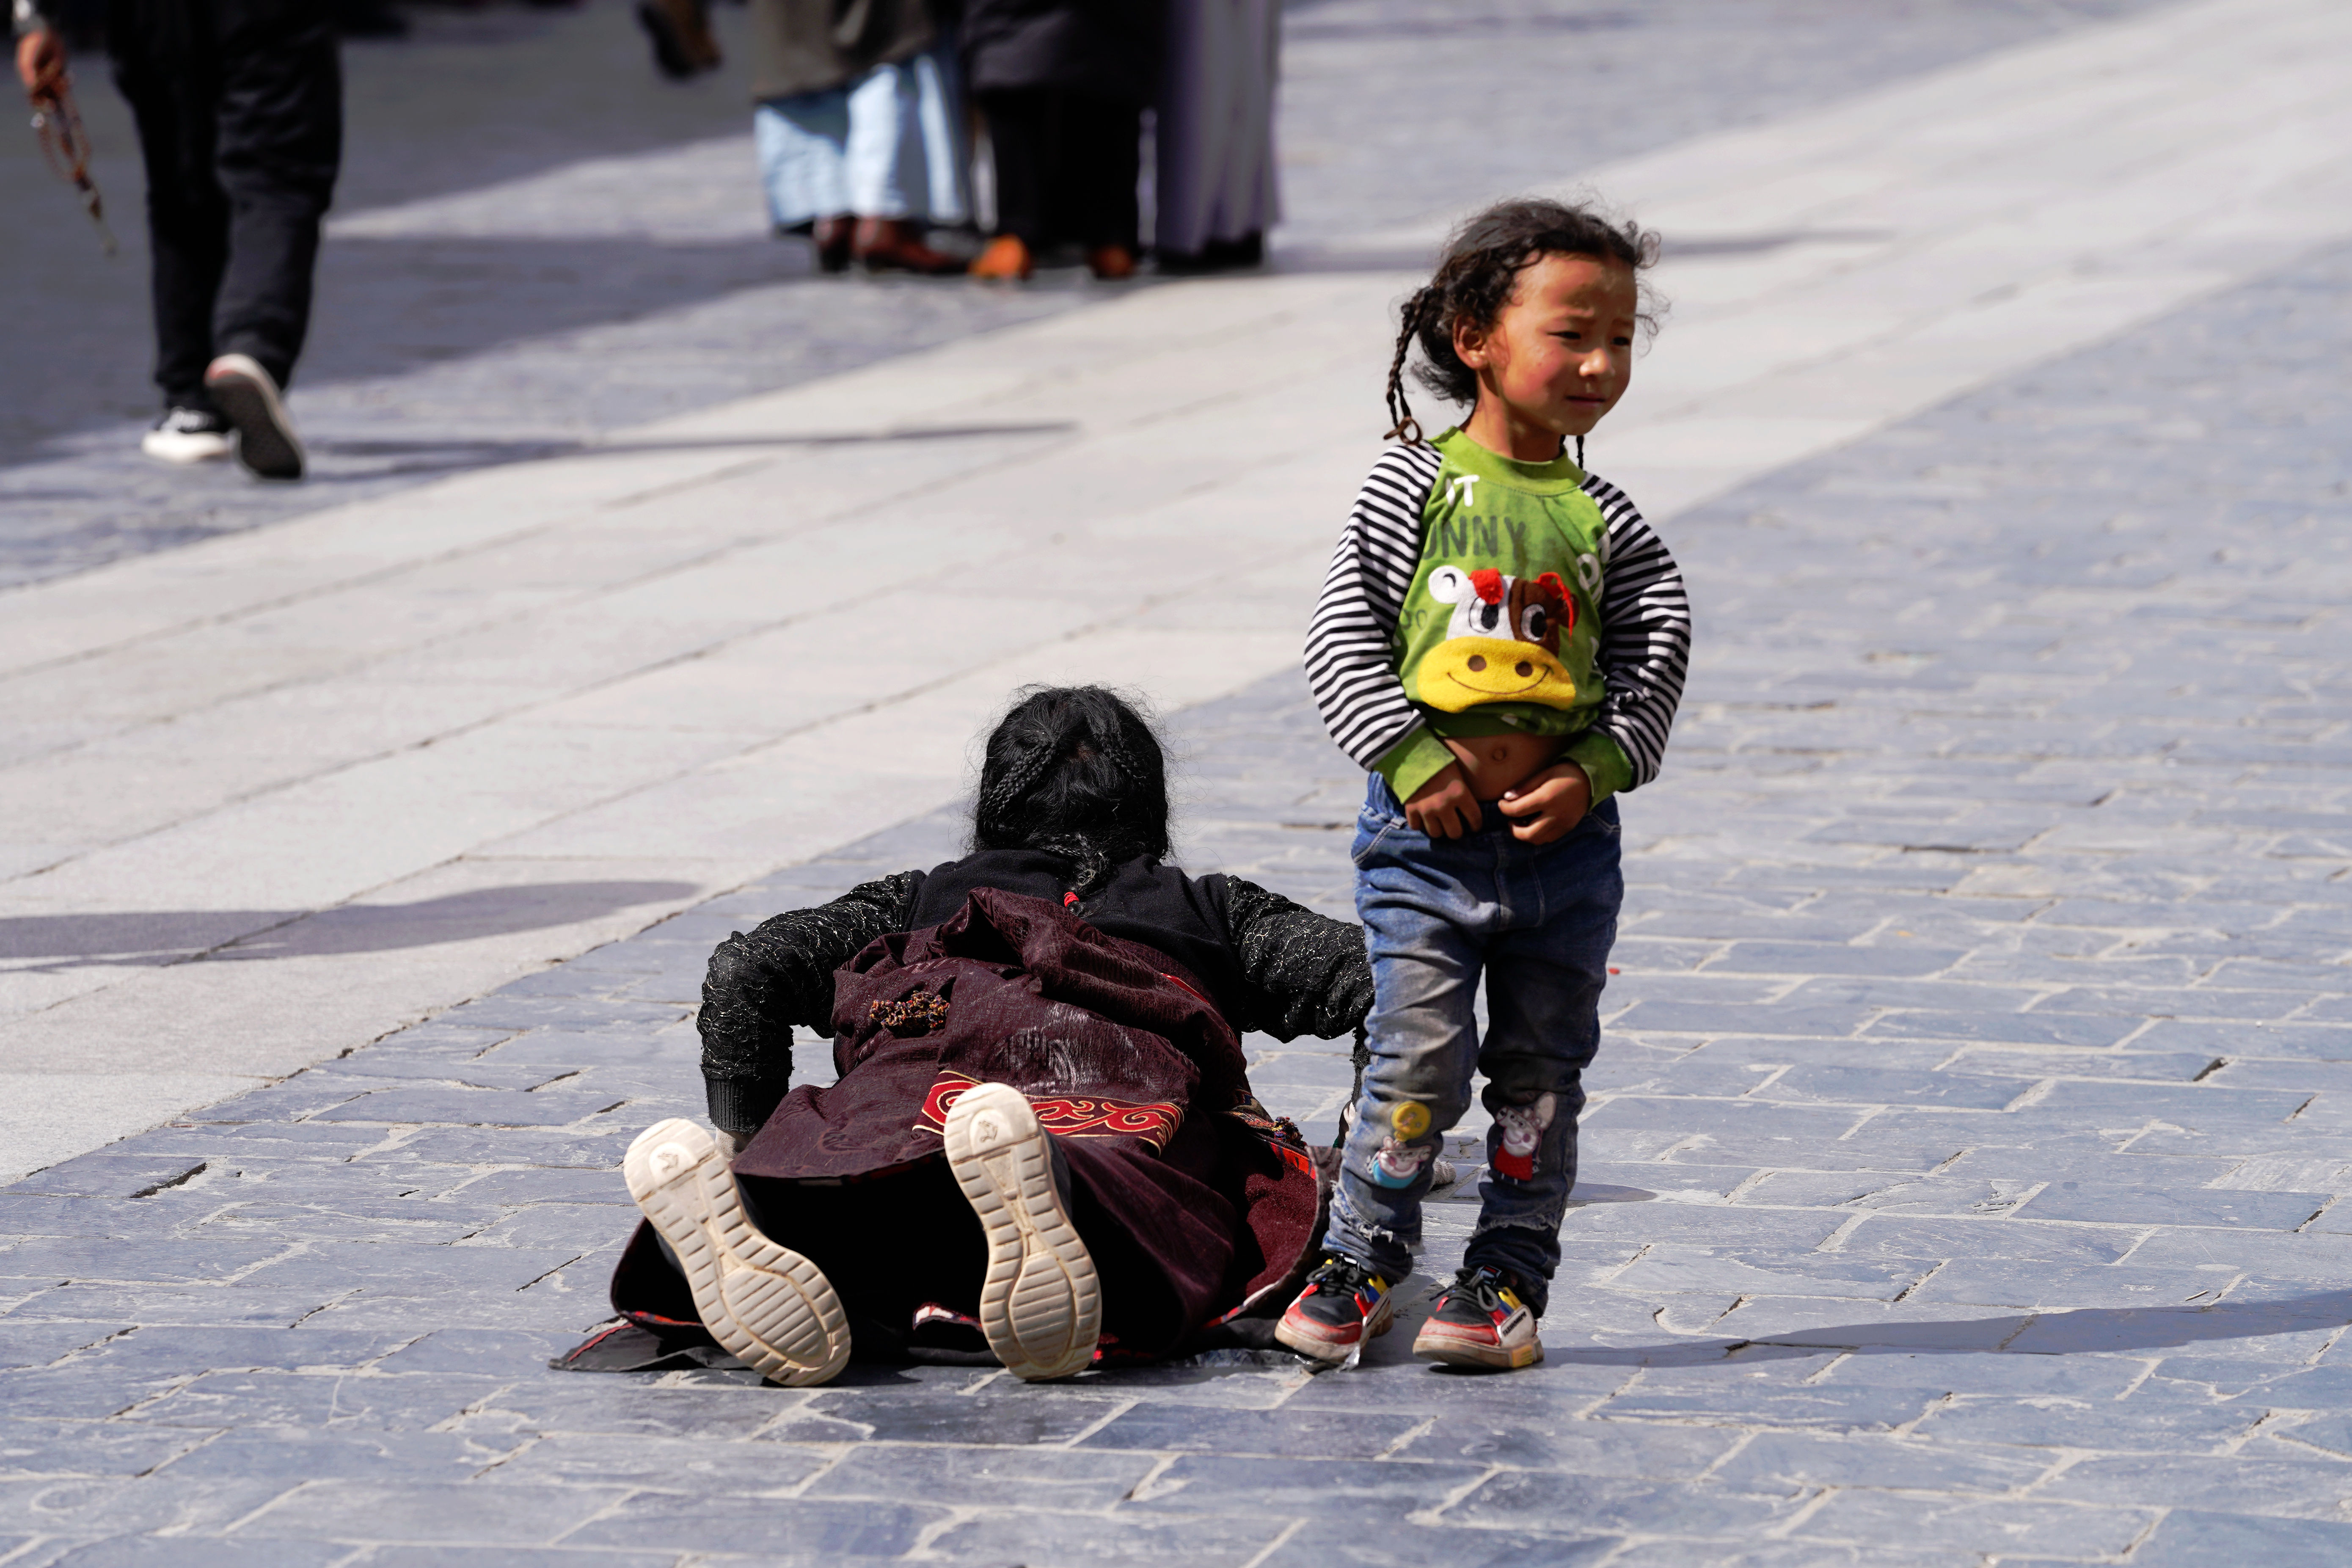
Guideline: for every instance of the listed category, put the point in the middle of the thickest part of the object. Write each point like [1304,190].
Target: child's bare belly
[1493,764]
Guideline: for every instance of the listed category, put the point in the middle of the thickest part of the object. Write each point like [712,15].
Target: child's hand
[1444,808]
[1548,806]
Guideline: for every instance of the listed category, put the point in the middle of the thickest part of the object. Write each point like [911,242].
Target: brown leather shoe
[895,245]
[1111,263]
[833,236]
[1005,259]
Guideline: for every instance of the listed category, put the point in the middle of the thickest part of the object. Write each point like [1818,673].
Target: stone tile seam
[773,743]
[502,717]
[849,511]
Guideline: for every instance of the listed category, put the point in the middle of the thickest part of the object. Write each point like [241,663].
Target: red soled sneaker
[1479,1321]
[1344,1305]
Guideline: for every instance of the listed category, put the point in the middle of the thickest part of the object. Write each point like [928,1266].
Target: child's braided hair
[1476,276]
[1076,769]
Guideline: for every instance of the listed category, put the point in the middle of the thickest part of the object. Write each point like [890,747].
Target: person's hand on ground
[1444,808]
[41,63]
[1548,806]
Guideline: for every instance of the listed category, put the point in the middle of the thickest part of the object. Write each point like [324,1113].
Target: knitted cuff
[1603,762]
[743,1105]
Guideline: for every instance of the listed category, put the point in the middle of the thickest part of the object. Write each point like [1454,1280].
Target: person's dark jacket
[1271,965]
[810,45]
[1103,48]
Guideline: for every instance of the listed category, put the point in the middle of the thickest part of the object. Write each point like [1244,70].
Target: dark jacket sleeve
[1306,973]
[759,985]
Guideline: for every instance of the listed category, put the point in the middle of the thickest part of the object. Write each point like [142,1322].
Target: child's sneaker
[1479,1321]
[1344,1305]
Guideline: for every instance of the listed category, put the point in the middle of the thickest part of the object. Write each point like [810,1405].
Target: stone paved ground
[1961,1185]
[449,337]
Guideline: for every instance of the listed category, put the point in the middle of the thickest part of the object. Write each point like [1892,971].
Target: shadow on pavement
[2082,1330]
[132,937]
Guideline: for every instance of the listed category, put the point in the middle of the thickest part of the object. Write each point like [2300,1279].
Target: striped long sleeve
[1350,643]
[1350,658]
[1645,633]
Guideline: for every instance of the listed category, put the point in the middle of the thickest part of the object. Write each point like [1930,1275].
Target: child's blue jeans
[1538,921]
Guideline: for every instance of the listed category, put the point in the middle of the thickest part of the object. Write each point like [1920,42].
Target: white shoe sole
[1041,1305]
[1306,1342]
[248,397]
[1471,1353]
[774,1310]
[183,447]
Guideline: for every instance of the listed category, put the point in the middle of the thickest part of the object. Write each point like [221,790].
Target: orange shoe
[1005,259]
[1111,263]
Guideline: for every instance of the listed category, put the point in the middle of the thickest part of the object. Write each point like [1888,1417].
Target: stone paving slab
[1972,1292]
[485,298]
[408,750]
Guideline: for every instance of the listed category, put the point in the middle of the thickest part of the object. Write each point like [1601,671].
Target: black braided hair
[1405,427]
[1476,278]
[1076,769]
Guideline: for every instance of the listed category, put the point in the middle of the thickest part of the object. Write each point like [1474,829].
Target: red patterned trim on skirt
[1068,1116]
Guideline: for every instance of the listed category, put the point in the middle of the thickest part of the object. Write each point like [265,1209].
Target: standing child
[1501,642]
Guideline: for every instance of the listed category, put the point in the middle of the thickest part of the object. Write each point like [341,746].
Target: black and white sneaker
[266,442]
[774,1310]
[186,435]
[1344,1308]
[1041,1304]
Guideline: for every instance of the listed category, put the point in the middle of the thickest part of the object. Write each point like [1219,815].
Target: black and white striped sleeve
[1645,632]
[1350,648]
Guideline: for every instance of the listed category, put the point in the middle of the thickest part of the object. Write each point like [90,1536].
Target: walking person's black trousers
[240,112]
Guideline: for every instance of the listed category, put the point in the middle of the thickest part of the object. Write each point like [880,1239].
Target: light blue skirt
[889,144]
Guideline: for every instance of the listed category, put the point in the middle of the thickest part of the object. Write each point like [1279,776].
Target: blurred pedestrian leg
[1065,170]
[1216,190]
[239,108]
[859,152]
[680,32]
[1061,86]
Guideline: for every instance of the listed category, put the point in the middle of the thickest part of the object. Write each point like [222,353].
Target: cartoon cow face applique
[1502,644]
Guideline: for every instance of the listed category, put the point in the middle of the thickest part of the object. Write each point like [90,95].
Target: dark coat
[810,46]
[1104,48]
[1036,998]
[1269,964]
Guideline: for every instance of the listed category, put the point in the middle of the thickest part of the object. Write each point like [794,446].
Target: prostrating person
[1041,1146]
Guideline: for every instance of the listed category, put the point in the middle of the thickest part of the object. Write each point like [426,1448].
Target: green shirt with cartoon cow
[1501,629]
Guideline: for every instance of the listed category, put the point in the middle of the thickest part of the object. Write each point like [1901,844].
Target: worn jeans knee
[1536,922]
